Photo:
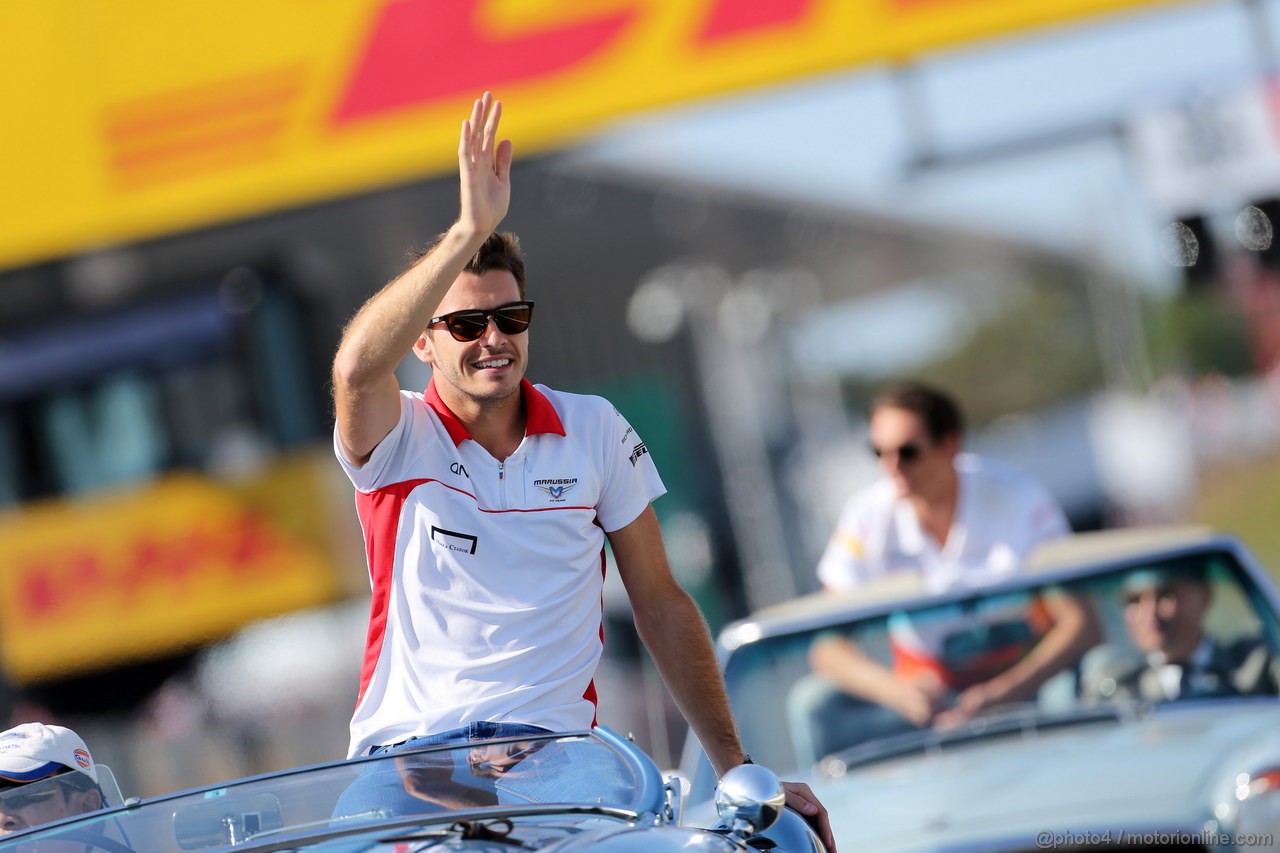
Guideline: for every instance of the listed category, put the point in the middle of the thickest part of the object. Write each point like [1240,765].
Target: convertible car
[1134,746]
[590,790]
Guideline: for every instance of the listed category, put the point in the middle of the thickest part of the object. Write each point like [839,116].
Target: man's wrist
[468,234]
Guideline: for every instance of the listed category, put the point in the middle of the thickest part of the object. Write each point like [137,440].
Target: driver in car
[46,775]
[1177,658]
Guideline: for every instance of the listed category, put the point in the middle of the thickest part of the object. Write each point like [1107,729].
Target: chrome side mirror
[675,788]
[749,800]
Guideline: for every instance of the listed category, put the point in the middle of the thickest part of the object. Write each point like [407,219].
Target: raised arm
[366,394]
[677,638]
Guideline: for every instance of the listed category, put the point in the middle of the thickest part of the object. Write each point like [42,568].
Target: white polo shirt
[487,574]
[1001,515]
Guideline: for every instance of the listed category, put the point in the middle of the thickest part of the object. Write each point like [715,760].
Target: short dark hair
[500,251]
[76,781]
[80,783]
[936,409]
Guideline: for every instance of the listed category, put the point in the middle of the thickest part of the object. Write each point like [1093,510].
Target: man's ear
[88,801]
[422,349]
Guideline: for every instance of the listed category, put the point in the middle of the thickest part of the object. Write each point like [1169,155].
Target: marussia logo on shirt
[464,543]
[556,488]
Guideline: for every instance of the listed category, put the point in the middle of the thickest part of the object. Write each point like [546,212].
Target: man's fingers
[477,122]
[800,802]
[467,139]
[464,139]
[491,126]
[478,127]
[803,800]
[502,160]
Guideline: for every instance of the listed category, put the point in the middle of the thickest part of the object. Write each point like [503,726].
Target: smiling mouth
[492,363]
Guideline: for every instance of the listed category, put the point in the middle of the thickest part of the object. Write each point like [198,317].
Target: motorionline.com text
[1054,840]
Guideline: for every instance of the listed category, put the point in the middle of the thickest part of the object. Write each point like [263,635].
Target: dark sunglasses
[18,802]
[24,796]
[908,452]
[469,324]
[1131,598]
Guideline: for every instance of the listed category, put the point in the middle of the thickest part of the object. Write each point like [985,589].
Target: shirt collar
[541,415]
[1201,658]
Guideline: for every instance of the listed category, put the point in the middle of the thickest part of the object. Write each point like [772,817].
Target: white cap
[33,751]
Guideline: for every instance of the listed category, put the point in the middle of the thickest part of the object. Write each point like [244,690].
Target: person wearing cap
[46,774]
[1177,658]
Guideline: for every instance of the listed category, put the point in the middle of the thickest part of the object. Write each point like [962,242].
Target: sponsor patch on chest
[556,488]
[451,540]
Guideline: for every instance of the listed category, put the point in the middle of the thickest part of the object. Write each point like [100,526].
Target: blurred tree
[1197,332]
[1039,350]
[1243,498]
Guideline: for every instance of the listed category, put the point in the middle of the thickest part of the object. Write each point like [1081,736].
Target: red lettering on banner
[422,51]
[54,588]
[252,546]
[735,17]
[59,588]
[150,560]
[37,593]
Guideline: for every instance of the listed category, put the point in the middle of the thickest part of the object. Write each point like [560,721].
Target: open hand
[484,168]
[922,699]
[970,703]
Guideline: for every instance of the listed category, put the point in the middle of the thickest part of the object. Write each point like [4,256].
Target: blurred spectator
[952,520]
[947,516]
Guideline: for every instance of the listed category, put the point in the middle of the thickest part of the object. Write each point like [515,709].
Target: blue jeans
[575,771]
[380,792]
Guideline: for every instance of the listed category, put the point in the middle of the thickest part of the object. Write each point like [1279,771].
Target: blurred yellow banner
[157,570]
[140,119]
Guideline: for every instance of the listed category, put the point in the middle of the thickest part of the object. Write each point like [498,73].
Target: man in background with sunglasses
[486,503]
[953,520]
[46,775]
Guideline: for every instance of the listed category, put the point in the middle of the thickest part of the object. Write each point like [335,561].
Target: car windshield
[1186,628]
[590,773]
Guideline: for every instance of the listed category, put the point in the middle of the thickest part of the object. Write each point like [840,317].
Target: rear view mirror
[224,819]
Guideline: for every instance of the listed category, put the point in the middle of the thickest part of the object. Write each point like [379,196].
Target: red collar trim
[542,416]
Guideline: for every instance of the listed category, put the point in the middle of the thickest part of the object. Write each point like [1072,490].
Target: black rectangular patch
[454,541]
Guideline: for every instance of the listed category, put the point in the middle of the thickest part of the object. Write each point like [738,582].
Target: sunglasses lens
[25,799]
[467,325]
[905,453]
[30,800]
[513,320]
